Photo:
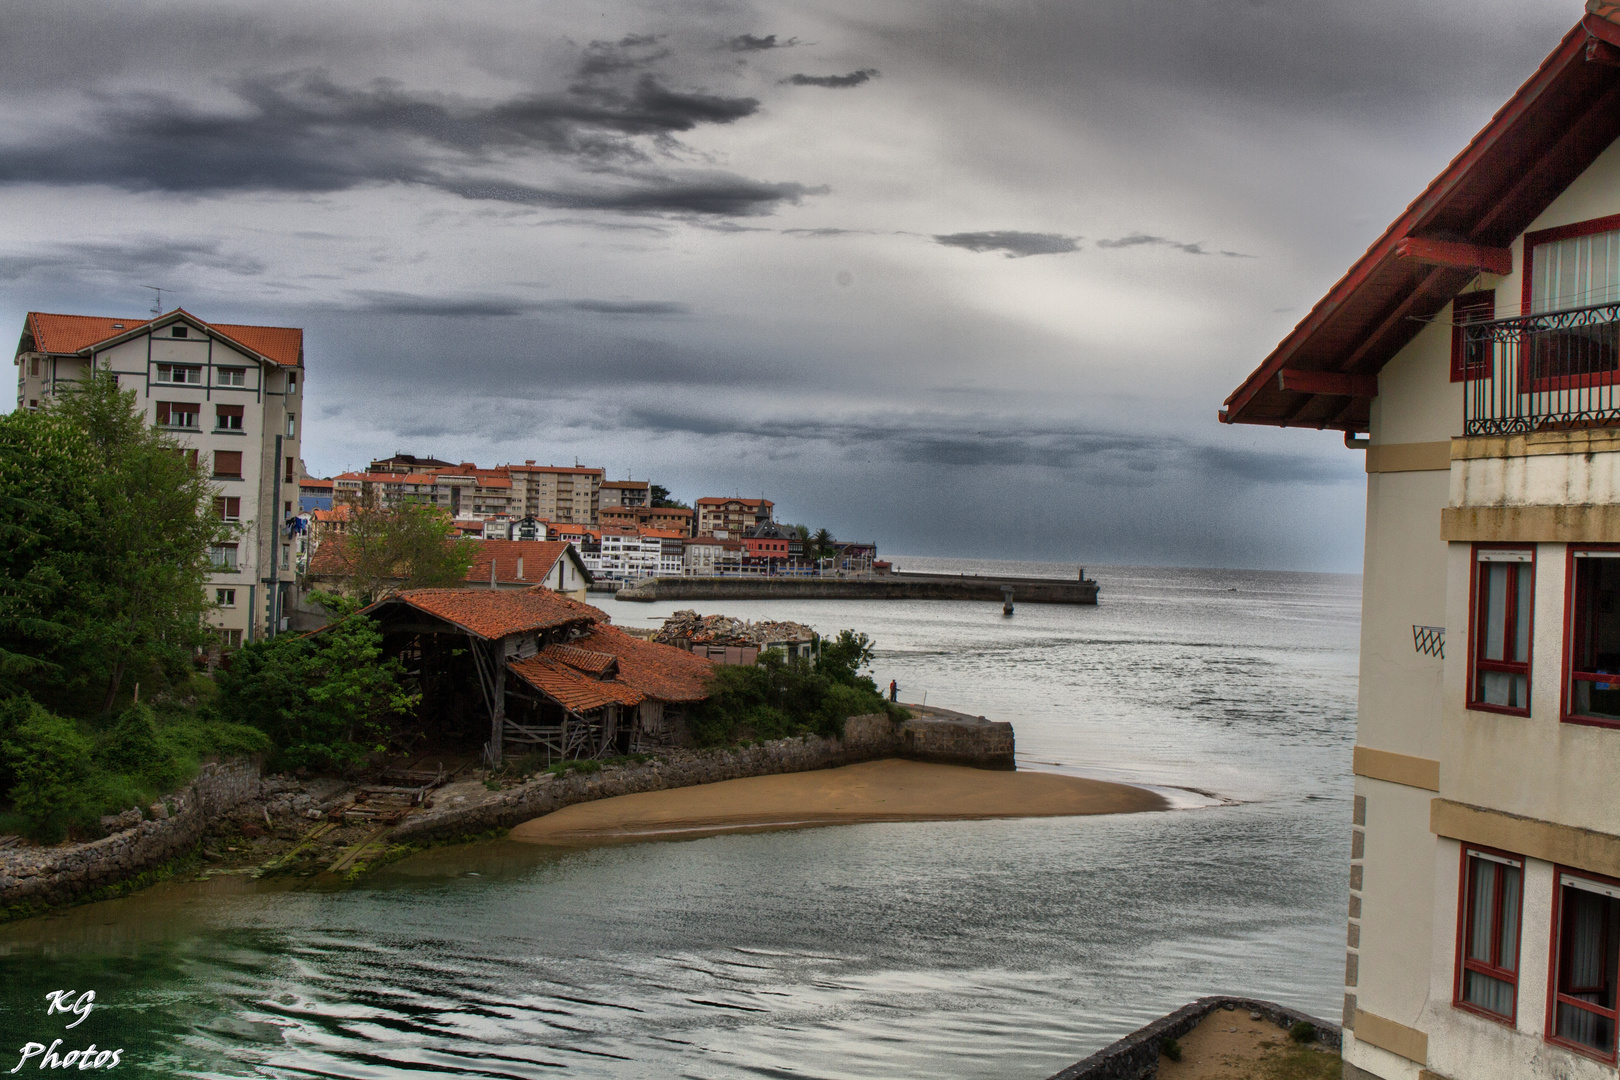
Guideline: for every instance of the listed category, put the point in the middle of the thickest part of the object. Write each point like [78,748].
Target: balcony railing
[1552,372]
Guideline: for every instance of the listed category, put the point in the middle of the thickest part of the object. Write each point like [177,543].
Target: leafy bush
[50,761]
[779,698]
[1170,1049]
[1302,1032]
[325,701]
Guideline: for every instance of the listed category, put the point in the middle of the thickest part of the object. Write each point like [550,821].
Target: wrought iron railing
[1550,372]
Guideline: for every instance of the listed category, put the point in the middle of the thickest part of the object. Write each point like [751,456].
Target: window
[227,418]
[1488,933]
[185,374]
[223,556]
[177,414]
[1500,654]
[228,507]
[1470,360]
[231,376]
[292,426]
[289,470]
[1593,692]
[292,382]
[1583,1006]
[228,464]
[224,597]
[286,556]
[181,331]
[188,455]
[230,639]
[1574,266]
[33,367]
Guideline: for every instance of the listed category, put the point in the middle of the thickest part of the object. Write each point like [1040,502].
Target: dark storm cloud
[138,257]
[833,82]
[995,442]
[1138,239]
[1016,245]
[750,43]
[304,133]
[391,303]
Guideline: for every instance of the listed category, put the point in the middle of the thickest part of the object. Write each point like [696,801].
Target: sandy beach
[872,791]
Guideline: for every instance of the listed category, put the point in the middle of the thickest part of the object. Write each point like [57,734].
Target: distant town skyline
[966,279]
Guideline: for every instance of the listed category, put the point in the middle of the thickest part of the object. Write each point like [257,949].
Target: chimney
[530,461]
[492,571]
[520,568]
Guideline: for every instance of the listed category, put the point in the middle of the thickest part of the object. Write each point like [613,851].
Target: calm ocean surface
[1002,949]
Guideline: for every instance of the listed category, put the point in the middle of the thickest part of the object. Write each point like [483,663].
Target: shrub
[1170,1049]
[51,762]
[1302,1032]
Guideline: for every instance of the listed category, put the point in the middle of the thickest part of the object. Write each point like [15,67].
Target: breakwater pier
[1022,590]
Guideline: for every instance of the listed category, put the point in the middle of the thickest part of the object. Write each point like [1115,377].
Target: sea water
[942,949]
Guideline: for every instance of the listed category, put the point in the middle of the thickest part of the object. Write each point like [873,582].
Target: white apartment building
[626,555]
[1477,346]
[230,395]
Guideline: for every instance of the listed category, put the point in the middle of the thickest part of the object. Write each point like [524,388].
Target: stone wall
[469,809]
[1136,1056]
[33,878]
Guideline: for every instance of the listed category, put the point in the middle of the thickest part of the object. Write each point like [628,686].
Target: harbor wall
[965,741]
[35,878]
[876,587]
[1136,1056]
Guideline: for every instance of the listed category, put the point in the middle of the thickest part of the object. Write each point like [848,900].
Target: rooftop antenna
[157,299]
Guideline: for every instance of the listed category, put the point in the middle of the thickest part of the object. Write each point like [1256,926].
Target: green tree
[410,545]
[51,762]
[658,495]
[113,527]
[821,544]
[842,658]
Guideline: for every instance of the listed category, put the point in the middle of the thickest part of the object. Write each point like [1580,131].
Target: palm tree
[821,543]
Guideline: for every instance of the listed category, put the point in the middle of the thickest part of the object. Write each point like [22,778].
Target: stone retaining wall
[33,878]
[1136,1056]
[469,809]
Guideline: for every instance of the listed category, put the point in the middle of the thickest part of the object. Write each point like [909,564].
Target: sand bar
[872,791]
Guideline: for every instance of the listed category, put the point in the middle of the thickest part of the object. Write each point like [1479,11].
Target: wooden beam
[1601,52]
[1328,382]
[1456,255]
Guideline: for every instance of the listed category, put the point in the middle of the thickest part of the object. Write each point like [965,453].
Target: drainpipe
[275,543]
[1353,443]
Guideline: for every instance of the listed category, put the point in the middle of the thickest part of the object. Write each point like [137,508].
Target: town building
[625,493]
[708,556]
[731,518]
[674,518]
[497,564]
[1473,355]
[314,493]
[408,463]
[556,493]
[230,396]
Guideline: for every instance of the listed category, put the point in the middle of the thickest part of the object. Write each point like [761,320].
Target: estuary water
[1003,949]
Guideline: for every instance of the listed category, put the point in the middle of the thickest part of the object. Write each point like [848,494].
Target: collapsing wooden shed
[550,672]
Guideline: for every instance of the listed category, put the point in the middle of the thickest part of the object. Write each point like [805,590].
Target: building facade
[1473,355]
[731,518]
[626,493]
[556,493]
[230,396]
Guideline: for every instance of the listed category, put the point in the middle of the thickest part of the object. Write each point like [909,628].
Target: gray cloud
[833,82]
[750,43]
[1139,239]
[1016,245]
[138,257]
[372,302]
[305,133]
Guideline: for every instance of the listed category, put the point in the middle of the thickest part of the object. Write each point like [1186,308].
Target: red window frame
[1566,709]
[1589,227]
[1555,961]
[1465,896]
[1476,640]
[1472,307]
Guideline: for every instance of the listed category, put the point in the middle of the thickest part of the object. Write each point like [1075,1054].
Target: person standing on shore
[894,691]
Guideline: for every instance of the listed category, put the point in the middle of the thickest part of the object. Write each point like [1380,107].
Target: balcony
[1558,371]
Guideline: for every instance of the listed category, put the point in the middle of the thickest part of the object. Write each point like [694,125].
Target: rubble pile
[692,628]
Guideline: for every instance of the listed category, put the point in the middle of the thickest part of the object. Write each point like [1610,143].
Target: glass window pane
[1491,994]
[1521,615]
[1481,913]
[1493,607]
[1508,956]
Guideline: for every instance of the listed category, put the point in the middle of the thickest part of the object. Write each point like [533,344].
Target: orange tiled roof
[337,513]
[598,664]
[70,333]
[745,502]
[553,468]
[539,558]
[563,684]
[493,613]
[661,672]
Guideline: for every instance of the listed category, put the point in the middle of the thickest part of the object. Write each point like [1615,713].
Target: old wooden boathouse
[552,674]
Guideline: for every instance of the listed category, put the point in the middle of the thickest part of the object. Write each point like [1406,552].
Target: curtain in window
[1579,272]
[1490,927]
[1588,940]
[1503,688]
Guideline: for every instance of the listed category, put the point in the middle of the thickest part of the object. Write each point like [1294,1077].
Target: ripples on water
[941,949]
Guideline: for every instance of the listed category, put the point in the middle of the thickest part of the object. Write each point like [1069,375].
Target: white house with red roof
[230,395]
[1473,355]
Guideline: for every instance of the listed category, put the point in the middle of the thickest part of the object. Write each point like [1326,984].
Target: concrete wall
[884,587]
[34,878]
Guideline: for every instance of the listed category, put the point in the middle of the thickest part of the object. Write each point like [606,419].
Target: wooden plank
[1456,255]
[352,855]
[1328,382]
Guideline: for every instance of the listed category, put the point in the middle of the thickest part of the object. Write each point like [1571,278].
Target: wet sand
[872,791]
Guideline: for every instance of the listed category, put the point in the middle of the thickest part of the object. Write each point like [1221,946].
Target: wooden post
[498,712]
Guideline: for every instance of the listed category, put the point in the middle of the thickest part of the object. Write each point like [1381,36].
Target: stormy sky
[966,278]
